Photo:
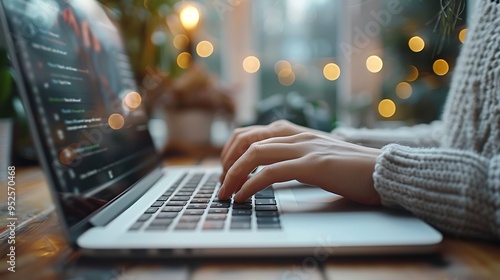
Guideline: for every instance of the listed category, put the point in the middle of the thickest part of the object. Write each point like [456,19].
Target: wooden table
[42,253]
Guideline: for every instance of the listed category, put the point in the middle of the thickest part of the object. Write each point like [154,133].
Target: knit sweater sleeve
[422,135]
[457,191]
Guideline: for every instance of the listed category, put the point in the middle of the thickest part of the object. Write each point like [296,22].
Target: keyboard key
[163,198]
[242,212]
[197,206]
[157,204]
[205,191]
[136,226]
[151,210]
[189,219]
[200,200]
[236,219]
[171,209]
[219,205]
[265,201]
[176,203]
[186,226]
[266,214]
[266,208]
[216,217]
[218,211]
[166,215]
[203,195]
[195,212]
[242,206]
[213,225]
[144,217]
[180,198]
[269,226]
[265,193]
[184,193]
[268,220]
[157,228]
[240,225]
[161,222]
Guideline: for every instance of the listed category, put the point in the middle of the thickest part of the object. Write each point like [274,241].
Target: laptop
[112,194]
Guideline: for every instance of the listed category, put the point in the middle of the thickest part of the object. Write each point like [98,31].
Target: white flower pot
[190,126]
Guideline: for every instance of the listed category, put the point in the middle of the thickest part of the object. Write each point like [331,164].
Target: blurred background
[207,66]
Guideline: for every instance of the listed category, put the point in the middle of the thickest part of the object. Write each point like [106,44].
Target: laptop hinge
[126,200]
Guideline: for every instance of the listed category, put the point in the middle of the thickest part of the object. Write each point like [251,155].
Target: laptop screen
[79,88]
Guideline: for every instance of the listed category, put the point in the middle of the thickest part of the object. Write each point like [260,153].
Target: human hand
[292,154]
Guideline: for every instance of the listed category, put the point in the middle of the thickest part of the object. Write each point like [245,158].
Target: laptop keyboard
[191,204]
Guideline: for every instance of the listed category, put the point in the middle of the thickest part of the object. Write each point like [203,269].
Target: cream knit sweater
[454,186]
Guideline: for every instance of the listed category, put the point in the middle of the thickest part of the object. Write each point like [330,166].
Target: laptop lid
[81,99]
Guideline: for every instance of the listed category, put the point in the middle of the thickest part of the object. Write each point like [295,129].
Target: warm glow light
[190,16]
[374,64]
[416,44]
[440,67]
[280,65]
[251,64]
[181,41]
[286,77]
[413,75]
[404,90]
[386,108]
[462,35]
[184,60]
[204,49]
[133,100]
[116,121]
[331,71]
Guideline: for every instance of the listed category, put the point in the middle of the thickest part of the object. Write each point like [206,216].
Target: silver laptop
[114,197]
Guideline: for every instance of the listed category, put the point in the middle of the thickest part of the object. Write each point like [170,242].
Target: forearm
[456,191]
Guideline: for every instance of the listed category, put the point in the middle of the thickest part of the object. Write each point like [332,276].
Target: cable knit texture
[456,186]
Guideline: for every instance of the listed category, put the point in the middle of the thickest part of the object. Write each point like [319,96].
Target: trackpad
[296,197]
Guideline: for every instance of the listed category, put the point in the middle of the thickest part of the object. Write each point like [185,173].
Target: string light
[286,77]
[181,41]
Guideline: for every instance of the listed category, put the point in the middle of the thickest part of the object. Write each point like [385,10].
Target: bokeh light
[286,77]
[184,60]
[387,108]
[280,65]
[374,64]
[204,49]
[251,64]
[181,41]
[416,44]
[462,35]
[440,67]
[331,71]
[413,74]
[133,100]
[116,121]
[189,16]
[404,90]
